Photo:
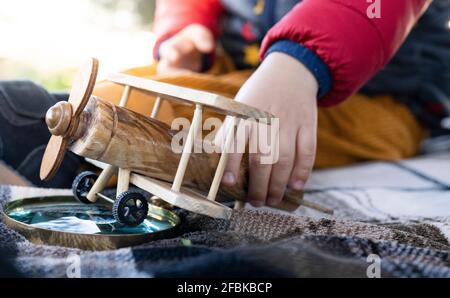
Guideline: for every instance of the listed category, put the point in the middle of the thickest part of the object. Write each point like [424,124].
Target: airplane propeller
[62,119]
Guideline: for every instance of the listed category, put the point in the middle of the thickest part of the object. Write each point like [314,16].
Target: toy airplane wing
[221,104]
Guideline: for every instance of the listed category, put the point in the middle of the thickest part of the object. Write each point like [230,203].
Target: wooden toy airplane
[137,148]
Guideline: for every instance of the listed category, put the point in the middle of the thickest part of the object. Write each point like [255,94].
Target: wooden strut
[156,107]
[188,147]
[123,181]
[125,96]
[101,182]
[154,115]
[223,162]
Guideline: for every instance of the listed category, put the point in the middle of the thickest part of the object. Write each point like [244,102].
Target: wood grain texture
[83,85]
[58,118]
[129,140]
[53,157]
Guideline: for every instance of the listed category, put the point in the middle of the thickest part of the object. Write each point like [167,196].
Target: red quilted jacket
[353,46]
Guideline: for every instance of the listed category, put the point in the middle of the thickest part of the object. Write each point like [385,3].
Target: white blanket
[417,189]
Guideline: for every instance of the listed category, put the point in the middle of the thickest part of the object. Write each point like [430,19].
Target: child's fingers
[259,178]
[306,153]
[258,169]
[235,155]
[174,49]
[202,38]
[184,46]
[172,55]
[282,169]
[168,52]
[232,169]
[183,50]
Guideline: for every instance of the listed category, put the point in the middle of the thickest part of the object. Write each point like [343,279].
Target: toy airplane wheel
[82,185]
[130,208]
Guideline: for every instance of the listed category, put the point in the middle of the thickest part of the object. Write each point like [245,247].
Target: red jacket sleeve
[173,15]
[352,45]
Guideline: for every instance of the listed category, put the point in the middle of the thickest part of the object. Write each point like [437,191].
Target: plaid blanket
[255,243]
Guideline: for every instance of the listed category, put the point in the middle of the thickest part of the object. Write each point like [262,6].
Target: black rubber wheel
[130,208]
[82,185]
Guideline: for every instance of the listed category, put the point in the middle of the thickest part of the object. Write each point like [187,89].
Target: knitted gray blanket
[252,244]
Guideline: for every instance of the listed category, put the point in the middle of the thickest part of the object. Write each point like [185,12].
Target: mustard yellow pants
[360,129]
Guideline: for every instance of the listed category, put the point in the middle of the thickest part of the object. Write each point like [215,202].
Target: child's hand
[185,49]
[287,89]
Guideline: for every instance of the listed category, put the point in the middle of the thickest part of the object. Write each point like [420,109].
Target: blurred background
[46,40]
